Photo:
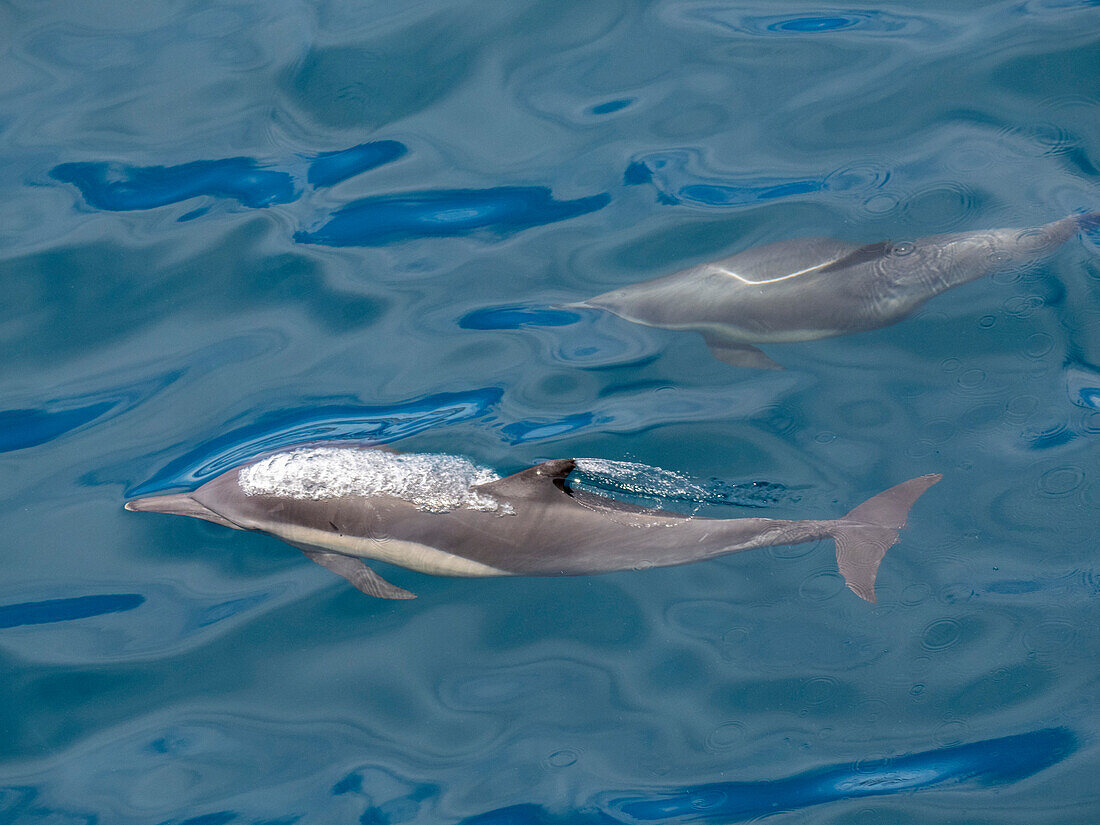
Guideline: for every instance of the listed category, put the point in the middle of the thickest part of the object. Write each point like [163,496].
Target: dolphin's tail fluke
[177,504]
[1088,221]
[1044,239]
[865,534]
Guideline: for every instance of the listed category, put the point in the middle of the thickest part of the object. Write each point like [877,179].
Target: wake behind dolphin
[810,288]
[446,516]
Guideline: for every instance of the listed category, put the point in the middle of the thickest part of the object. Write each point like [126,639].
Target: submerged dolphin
[810,288]
[445,516]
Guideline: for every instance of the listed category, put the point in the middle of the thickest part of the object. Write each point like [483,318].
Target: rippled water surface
[228,227]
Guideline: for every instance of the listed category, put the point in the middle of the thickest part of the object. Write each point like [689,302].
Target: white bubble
[429,481]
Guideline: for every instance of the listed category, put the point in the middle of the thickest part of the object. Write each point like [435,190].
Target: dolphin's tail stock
[865,534]
[1045,238]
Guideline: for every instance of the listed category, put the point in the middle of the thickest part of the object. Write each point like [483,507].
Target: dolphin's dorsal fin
[361,577]
[532,481]
[859,255]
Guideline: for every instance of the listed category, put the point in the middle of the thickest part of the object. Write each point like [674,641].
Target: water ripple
[821,22]
[681,176]
[23,428]
[269,432]
[990,762]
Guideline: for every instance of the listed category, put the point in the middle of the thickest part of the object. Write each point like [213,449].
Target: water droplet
[821,586]
[708,799]
[941,634]
[857,177]
[819,689]
[914,594]
[1061,480]
[1022,405]
[563,758]
[1022,305]
[1039,345]
[972,379]
[952,732]
[942,205]
[1049,636]
[1040,138]
[880,204]
[726,736]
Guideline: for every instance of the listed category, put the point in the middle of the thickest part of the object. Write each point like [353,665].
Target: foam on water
[657,487]
[641,479]
[433,482]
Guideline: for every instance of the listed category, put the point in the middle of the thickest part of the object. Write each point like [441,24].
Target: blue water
[227,227]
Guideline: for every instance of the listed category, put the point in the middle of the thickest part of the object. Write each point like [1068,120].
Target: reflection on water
[991,762]
[377,425]
[23,428]
[118,187]
[330,168]
[392,218]
[379,795]
[65,610]
[366,222]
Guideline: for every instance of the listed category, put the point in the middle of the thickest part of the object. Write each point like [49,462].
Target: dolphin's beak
[177,504]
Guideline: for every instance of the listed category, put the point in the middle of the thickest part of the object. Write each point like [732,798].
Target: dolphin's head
[178,504]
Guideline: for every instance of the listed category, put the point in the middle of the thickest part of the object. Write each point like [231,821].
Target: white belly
[408,554]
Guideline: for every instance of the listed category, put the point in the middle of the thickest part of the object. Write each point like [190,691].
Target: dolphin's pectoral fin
[361,577]
[739,355]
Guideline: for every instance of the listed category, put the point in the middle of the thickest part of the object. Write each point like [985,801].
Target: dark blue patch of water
[516,317]
[119,187]
[676,185]
[521,431]
[611,106]
[66,610]
[330,168]
[989,762]
[34,426]
[388,219]
[20,429]
[814,24]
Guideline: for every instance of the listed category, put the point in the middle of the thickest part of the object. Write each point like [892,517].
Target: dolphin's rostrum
[445,516]
[809,288]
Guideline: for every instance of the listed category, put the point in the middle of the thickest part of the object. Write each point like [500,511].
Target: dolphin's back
[790,290]
[811,288]
[783,260]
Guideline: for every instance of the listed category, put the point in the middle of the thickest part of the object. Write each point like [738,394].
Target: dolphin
[445,516]
[810,288]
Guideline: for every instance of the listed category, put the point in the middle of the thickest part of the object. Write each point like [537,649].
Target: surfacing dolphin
[810,288]
[445,516]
